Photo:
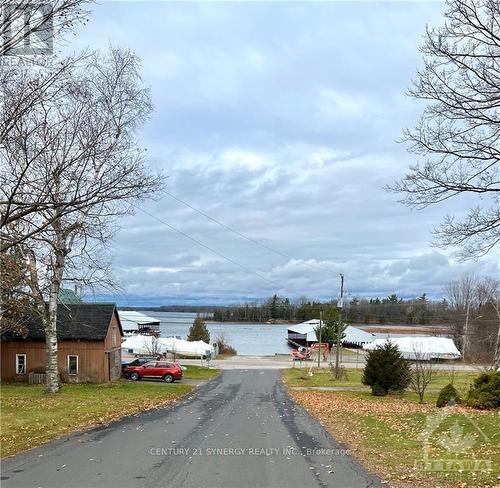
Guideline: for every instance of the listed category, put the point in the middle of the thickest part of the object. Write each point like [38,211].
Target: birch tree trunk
[72,165]
[497,345]
[497,352]
[50,319]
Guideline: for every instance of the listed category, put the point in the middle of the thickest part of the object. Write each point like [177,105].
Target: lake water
[247,338]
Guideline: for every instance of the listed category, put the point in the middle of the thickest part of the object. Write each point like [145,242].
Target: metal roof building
[135,322]
[305,333]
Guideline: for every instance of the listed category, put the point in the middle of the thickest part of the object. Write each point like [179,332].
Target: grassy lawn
[30,418]
[323,377]
[389,434]
[199,372]
[320,377]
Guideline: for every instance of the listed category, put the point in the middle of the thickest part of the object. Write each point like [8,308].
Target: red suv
[168,372]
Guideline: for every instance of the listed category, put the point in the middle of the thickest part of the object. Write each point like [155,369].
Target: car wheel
[168,378]
[135,376]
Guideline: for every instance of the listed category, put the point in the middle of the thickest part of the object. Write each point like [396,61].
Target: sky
[282,121]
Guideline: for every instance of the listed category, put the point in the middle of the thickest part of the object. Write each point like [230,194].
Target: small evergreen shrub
[446,395]
[387,368]
[377,390]
[484,392]
[198,331]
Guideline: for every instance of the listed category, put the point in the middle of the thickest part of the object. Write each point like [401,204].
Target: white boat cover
[146,344]
[422,348]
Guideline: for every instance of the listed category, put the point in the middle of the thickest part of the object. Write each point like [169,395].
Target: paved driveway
[240,430]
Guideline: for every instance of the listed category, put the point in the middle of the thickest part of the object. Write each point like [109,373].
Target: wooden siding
[92,362]
[95,358]
[113,350]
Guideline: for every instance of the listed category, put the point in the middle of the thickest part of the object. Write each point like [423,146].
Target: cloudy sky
[279,120]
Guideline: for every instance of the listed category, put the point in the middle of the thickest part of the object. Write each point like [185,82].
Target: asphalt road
[239,430]
[282,362]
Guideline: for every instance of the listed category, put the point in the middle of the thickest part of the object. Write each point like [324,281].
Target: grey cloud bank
[280,120]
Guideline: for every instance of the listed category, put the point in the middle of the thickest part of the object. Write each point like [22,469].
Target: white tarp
[423,348]
[144,344]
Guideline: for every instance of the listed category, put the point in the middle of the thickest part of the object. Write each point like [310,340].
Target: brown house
[89,346]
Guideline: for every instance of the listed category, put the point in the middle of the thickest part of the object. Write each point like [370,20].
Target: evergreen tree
[447,395]
[328,333]
[330,327]
[198,331]
[484,392]
[386,369]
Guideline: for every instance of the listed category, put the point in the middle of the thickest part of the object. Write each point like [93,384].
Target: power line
[242,266]
[243,236]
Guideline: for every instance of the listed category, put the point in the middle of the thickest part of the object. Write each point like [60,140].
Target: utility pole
[340,305]
[319,348]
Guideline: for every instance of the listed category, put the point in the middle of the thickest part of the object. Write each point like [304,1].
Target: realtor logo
[456,441]
[26,28]
[448,439]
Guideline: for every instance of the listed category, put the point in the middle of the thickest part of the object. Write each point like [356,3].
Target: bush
[342,373]
[377,390]
[386,369]
[223,346]
[447,395]
[198,331]
[484,392]
[227,350]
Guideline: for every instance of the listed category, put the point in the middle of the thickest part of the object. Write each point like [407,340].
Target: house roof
[86,321]
[68,296]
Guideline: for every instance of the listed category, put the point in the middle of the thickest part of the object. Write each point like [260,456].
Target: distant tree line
[392,309]
[470,309]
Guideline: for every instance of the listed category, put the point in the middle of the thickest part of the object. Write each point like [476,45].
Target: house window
[20,363]
[113,337]
[72,365]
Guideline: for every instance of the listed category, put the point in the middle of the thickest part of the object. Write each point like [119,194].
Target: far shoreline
[409,328]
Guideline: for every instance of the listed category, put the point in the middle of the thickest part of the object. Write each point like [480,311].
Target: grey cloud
[280,120]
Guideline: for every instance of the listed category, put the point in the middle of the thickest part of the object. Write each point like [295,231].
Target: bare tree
[473,311]
[461,296]
[457,139]
[27,93]
[422,373]
[489,296]
[496,304]
[152,346]
[87,167]
[29,27]
[28,76]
